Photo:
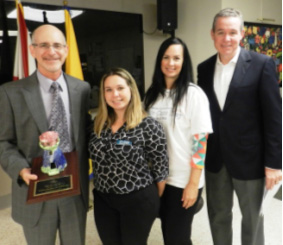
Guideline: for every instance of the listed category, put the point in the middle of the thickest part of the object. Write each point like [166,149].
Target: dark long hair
[158,85]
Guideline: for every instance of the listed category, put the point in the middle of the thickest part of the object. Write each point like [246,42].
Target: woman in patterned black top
[130,163]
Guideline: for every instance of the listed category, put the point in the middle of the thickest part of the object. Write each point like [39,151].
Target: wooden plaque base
[46,187]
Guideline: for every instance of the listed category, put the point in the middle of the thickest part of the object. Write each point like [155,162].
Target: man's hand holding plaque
[57,171]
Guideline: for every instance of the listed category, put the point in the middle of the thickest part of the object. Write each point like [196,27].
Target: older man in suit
[25,107]
[245,152]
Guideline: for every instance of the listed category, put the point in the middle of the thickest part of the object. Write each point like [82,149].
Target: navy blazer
[248,132]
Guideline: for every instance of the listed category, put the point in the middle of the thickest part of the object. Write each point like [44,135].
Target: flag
[24,63]
[6,70]
[90,171]
[73,65]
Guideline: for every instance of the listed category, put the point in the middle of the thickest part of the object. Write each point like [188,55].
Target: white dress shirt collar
[222,77]
[233,60]
[45,83]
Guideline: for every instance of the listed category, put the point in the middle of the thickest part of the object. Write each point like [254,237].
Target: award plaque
[47,187]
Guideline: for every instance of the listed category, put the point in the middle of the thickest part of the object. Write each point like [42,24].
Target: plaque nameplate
[46,187]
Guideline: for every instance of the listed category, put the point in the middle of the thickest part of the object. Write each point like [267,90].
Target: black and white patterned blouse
[129,160]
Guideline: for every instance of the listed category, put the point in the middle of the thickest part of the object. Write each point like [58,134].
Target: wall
[255,10]
[194,24]
[195,21]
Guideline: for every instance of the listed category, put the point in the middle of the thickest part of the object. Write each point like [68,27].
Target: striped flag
[73,65]
[24,63]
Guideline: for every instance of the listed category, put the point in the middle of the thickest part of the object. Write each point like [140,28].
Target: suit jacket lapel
[75,106]
[210,77]
[239,73]
[34,102]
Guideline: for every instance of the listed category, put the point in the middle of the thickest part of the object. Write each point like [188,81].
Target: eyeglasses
[46,46]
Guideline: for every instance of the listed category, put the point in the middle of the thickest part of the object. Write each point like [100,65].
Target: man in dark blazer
[24,109]
[244,154]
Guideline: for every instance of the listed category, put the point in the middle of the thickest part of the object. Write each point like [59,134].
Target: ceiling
[96,20]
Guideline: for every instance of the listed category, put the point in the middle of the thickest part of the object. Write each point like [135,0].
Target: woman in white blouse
[183,110]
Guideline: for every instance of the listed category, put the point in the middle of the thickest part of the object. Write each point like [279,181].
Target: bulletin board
[265,39]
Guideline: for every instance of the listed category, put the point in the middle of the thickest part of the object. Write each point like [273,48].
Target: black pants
[126,219]
[176,220]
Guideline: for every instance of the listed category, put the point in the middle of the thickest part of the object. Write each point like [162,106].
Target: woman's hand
[161,187]
[190,195]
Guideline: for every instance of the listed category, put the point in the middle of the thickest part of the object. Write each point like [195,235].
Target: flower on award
[49,139]
[54,160]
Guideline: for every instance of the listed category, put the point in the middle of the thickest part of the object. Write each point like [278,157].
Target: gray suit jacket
[22,120]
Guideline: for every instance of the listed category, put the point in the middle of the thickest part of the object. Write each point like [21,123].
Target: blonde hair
[106,116]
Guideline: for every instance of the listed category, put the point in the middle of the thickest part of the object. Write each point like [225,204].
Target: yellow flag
[73,63]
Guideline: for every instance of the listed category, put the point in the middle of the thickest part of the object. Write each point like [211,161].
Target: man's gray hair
[229,12]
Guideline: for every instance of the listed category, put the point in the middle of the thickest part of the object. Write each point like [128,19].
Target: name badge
[123,142]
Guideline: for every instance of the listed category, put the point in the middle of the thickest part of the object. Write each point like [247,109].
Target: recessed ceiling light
[10,33]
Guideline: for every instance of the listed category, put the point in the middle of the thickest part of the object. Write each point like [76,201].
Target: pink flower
[49,138]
